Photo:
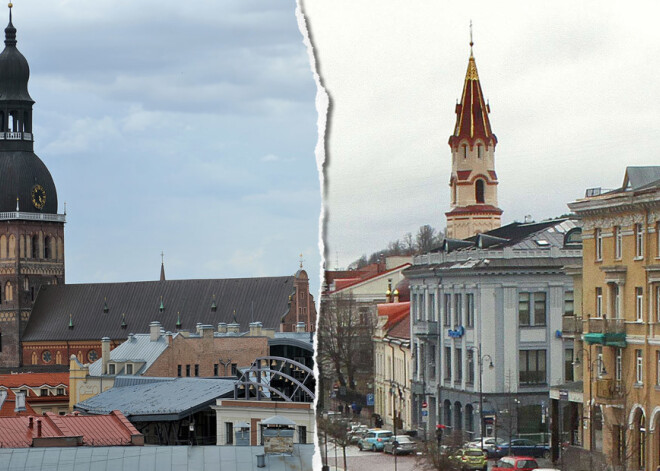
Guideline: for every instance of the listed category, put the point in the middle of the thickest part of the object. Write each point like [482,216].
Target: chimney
[105,354]
[38,427]
[198,328]
[300,327]
[206,331]
[233,328]
[154,331]
[222,328]
[169,338]
[255,329]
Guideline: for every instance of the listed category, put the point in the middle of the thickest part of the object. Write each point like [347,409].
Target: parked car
[374,439]
[519,463]
[357,432]
[488,444]
[470,458]
[523,447]
[404,445]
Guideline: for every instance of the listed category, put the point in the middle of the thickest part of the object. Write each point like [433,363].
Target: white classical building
[497,299]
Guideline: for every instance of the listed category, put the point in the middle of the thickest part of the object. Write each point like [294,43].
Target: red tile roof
[31,381]
[475,208]
[343,284]
[34,380]
[99,430]
[395,312]
[401,330]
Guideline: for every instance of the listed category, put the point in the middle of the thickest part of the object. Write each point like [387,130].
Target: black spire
[10,31]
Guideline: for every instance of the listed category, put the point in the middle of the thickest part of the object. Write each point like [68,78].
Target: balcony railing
[16,136]
[32,216]
[608,388]
[598,325]
[571,325]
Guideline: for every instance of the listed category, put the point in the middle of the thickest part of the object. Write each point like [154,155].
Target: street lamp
[590,365]
[480,359]
[394,388]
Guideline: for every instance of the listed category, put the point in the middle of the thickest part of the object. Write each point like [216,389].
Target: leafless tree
[345,347]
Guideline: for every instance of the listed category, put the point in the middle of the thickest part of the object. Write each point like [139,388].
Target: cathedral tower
[31,231]
[473,180]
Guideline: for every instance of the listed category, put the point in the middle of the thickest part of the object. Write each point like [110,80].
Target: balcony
[423,328]
[32,216]
[607,332]
[609,389]
[571,325]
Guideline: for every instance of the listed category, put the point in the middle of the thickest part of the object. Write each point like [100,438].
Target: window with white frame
[458,309]
[569,305]
[600,366]
[618,364]
[469,309]
[416,308]
[639,304]
[432,317]
[532,367]
[599,302]
[598,234]
[639,366]
[618,241]
[639,241]
[657,367]
[523,309]
[527,302]
[422,305]
[470,367]
[447,363]
[539,309]
[447,310]
[615,300]
[459,365]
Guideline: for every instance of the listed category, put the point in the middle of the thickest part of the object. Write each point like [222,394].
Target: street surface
[363,460]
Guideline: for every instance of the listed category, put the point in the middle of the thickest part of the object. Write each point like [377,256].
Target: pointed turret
[472,121]
[162,267]
[473,179]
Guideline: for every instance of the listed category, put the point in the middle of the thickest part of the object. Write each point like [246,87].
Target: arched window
[3,246]
[35,246]
[480,150]
[26,122]
[641,441]
[465,151]
[12,246]
[47,252]
[454,193]
[35,358]
[479,191]
[9,292]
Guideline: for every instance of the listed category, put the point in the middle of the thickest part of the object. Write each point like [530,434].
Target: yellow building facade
[619,356]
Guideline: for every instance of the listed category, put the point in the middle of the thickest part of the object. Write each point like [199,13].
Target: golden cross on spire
[301,260]
[162,257]
[471,42]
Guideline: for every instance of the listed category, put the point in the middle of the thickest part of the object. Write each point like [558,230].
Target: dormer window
[44,392]
[129,368]
[111,369]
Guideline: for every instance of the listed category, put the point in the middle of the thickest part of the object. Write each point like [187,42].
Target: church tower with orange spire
[473,180]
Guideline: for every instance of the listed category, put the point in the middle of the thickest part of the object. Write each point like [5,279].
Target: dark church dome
[14,69]
[24,176]
[24,179]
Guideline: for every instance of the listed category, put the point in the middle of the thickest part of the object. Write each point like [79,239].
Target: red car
[519,463]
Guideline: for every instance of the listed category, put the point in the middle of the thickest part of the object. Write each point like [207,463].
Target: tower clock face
[38,196]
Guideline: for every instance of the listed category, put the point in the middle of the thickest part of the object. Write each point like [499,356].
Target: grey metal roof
[638,177]
[254,299]
[139,348]
[159,401]
[153,458]
[132,380]
[299,339]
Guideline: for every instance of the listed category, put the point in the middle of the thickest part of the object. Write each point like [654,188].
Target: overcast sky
[183,127]
[573,87]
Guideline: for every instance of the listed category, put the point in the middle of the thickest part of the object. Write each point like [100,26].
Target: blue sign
[370,399]
[457,333]
[425,413]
